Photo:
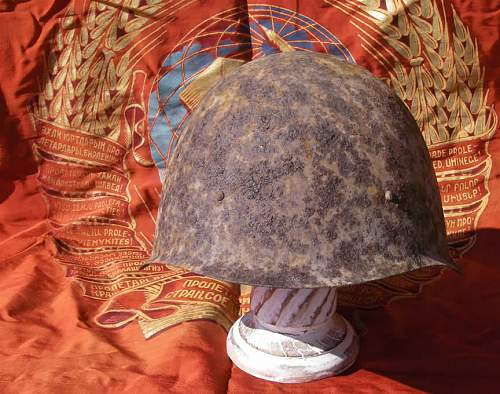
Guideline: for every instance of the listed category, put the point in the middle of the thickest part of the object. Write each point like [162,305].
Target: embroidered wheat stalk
[444,83]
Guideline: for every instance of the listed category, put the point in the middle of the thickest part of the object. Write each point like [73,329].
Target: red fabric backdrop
[92,97]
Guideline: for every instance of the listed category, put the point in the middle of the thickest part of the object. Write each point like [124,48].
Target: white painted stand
[292,336]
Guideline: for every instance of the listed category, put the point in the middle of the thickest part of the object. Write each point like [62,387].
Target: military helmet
[300,170]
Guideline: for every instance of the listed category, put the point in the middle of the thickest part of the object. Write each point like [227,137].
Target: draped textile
[93,96]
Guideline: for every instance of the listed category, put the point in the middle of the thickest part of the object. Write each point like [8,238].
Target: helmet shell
[300,170]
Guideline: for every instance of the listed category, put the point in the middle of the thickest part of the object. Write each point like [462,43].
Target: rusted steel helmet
[299,170]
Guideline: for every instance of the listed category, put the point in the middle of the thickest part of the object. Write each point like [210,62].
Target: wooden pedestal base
[292,336]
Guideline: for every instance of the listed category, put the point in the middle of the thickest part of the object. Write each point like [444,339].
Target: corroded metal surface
[299,170]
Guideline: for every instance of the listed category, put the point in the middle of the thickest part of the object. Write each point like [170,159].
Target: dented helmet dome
[299,170]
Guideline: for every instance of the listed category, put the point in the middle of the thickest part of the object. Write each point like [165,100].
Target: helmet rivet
[220,196]
[391,197]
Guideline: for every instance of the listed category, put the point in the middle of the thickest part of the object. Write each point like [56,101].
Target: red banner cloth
[93,96]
